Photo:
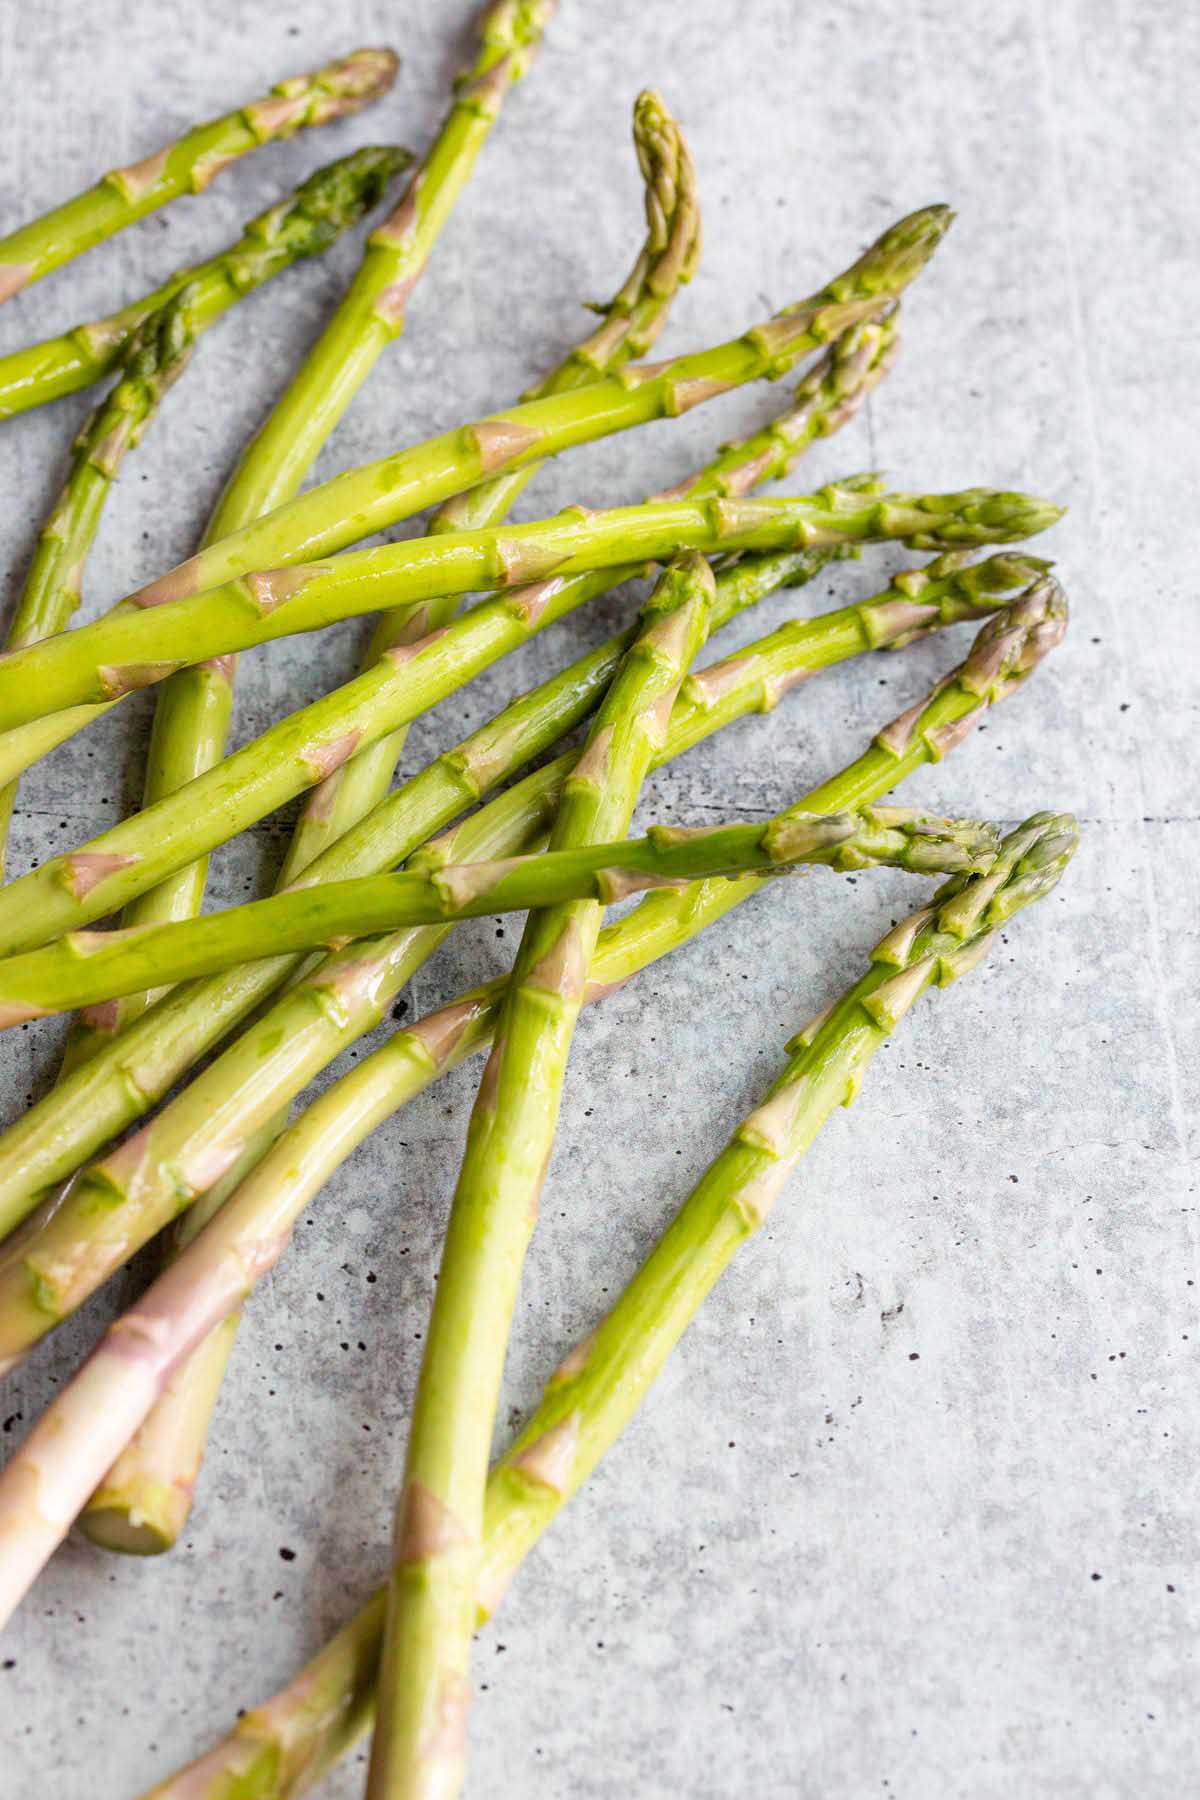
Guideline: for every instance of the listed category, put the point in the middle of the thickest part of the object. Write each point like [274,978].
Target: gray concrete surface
[847,1550]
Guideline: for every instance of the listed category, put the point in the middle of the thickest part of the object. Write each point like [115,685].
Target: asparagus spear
[57,1260]
[194,707]
[153,357]
[86,883]
[39,373]
[92,1420]
[188,165]
[827,398]
[137,647]
[431,1598]
[632,321]
[438,1522]
[364,500]
[278,1750]
[372,313]
[90,966]
[257,1074]
[145,1498]
[208,1012]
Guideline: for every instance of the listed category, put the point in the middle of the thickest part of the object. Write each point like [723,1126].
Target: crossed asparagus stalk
[459,1534]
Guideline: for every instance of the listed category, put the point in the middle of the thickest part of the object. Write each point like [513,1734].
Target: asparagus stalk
[632,321]
[192,717]
[153,357]
[419,1741]
[208,1013]
[86,967]
[372,313]
[596,1390]
[39,373]
[138,647]
[436,1530]
[188,165]
[280,1749]
[143,1503]
[214,1273]
[84,884]
[302,1033]
[418,1745]
[145,1498]
[364,500]
[825,399]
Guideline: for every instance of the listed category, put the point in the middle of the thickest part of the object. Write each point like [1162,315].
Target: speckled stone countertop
[911,1512]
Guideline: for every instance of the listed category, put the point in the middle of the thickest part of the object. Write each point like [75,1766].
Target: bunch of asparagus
[233,1013]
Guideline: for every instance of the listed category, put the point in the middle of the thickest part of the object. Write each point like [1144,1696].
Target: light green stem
[86,967]
[70,890]
[154,355]
[277,1751]
[633,319]
[260,1072]
[191,726]
[364,500]
[188,165]
[418,1747]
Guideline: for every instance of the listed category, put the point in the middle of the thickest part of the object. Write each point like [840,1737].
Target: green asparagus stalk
[364,500]
[188,165]
[372,313]
[208,1012]
[90,966]
[438,1525]
[633,319]
[824,400]
[277,1751]
[144,1501]
[84,884]
[145,1498]
[140,646]
[302,1033]
[419,1741]
[197,1294]
[153,357]
[194,709]
[595,1392]
[39,373]
[435,1545]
